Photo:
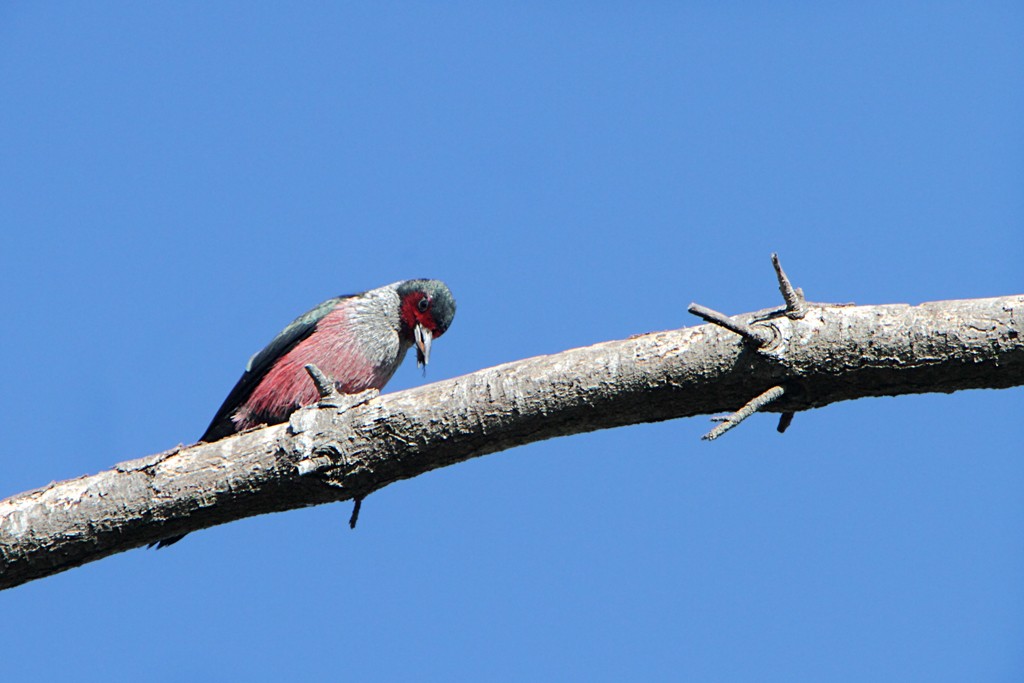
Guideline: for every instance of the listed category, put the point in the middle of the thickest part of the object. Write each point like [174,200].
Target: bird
[356,340]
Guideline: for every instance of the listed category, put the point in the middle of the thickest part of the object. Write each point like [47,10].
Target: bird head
[426,310]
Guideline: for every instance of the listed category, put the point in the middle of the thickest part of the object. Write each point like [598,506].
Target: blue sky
[179,180]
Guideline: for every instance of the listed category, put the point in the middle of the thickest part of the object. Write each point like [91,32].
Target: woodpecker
[358,341]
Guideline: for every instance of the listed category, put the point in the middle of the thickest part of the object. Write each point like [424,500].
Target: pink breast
[334,349]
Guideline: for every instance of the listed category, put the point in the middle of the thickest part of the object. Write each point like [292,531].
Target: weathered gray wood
[832,353]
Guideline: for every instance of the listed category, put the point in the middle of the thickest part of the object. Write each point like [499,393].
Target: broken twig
[757,336]
[746,411]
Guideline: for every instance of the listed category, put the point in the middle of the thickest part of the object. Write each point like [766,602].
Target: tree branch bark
[831,353]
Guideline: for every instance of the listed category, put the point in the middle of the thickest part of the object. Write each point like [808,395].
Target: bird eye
[423,304]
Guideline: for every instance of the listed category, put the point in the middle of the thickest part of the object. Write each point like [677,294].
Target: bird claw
[343,402]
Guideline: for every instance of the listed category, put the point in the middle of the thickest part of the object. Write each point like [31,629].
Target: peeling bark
[825,354]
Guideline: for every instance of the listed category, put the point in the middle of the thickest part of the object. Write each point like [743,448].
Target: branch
[832,353]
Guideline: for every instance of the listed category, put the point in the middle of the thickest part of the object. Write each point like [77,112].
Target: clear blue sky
[179,180]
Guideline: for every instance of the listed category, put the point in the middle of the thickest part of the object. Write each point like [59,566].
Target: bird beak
[423,339]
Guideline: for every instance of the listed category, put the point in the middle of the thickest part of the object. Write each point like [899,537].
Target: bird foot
[330,397]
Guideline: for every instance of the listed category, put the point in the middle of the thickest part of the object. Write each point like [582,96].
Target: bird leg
[325,386]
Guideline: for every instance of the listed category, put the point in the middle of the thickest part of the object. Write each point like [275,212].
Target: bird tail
[164,542]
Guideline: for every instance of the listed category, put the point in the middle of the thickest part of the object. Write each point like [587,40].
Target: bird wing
[261,363]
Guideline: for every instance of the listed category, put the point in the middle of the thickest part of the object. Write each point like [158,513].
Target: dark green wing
[261,363]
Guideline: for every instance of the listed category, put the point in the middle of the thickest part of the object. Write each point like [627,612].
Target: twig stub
[796,306]
[355,512]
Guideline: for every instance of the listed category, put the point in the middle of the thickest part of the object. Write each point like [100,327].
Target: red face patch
[417,309]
